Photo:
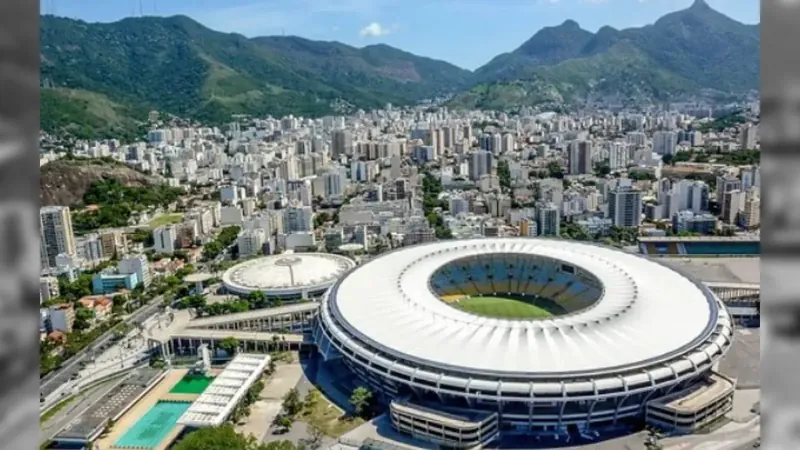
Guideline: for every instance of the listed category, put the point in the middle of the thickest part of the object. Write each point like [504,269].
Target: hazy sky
[467,33]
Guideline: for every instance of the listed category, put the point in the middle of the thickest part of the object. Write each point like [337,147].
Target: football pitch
[506,307]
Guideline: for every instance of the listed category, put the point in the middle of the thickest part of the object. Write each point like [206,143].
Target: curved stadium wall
[556,397]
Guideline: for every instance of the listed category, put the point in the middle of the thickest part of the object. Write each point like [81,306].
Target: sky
[467,33]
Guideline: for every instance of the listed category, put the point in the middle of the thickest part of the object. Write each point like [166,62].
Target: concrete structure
[465,429]
[48,288]
[110,282]
[261,330]
[388,322]
[289,275]
[216,403]
[691,409]
[164,239]
[136,264]
[61,317]
[56,235]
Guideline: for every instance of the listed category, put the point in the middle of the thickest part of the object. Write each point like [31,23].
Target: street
[60,377]
[83,401]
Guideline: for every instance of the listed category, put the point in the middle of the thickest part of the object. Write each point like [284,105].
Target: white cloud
[374,29]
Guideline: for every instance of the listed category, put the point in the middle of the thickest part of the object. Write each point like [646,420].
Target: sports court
[191,384]
[153,427]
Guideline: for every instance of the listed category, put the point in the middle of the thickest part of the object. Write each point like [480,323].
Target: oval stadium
[472,338]
[287,275]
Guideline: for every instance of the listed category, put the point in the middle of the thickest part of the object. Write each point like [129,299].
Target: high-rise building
[250,242]
[727,184]
[164,239]
[548,219]
[342,143]
[298,219]
[335,182]
[113,241]
[636,138]
[57,237]
[136,264]
[752,210]
[480,164]
[527,228]
[732,203]
[618,157]
[664,142]
[625,206]
[580,157]
[748,136]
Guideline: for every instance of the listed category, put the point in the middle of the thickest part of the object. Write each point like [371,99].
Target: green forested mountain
[102,78]
[682,53]
[179,66]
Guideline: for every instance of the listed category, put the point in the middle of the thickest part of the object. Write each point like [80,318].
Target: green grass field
[191,384]
[165,219]
[507,307]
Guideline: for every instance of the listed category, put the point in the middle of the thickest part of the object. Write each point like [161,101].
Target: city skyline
[414,26]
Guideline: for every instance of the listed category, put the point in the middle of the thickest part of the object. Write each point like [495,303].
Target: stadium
[470,339]
[288,275]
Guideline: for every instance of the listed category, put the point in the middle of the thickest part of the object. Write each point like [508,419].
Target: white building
[136,264]
[251,242]
[48,288]
[298,219]
[164,239]
[57,237]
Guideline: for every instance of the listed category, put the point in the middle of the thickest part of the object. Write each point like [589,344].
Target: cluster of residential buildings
[528,174]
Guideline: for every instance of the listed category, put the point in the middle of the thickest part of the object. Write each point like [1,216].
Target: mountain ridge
[683,53]
[177,65]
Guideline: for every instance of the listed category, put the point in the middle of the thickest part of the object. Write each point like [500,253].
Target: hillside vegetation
[178,66]
[100,79]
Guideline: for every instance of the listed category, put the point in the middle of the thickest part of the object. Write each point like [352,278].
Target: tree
[83,318]
[601,169]
[291,402]
[230,345]
[668,159]
[555,170]
[226,438]
[314,439]
[283,422]
[360,400]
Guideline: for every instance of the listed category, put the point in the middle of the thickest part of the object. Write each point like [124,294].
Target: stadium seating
[490,275]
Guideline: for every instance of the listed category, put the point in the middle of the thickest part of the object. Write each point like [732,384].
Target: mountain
[177,65]
[102,79]
[683,53]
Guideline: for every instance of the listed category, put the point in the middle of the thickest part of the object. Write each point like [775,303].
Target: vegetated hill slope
[65,181]
[179,66]
[683,53]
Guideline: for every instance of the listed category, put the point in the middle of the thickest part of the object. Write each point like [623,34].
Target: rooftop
[698,395]
[287,273]
[117,400]
[215,404]
[648,313]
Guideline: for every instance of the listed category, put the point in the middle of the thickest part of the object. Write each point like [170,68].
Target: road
[54,380]
[82,402]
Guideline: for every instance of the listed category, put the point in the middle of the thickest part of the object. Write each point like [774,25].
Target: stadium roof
[647,313]
[215,404]
[287,274]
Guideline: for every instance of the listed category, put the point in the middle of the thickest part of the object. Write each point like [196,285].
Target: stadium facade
[624,332]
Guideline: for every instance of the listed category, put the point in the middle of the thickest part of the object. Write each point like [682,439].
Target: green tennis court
[154,426]
[191,384]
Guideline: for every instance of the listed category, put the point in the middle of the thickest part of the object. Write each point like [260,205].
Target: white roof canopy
[215,404]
